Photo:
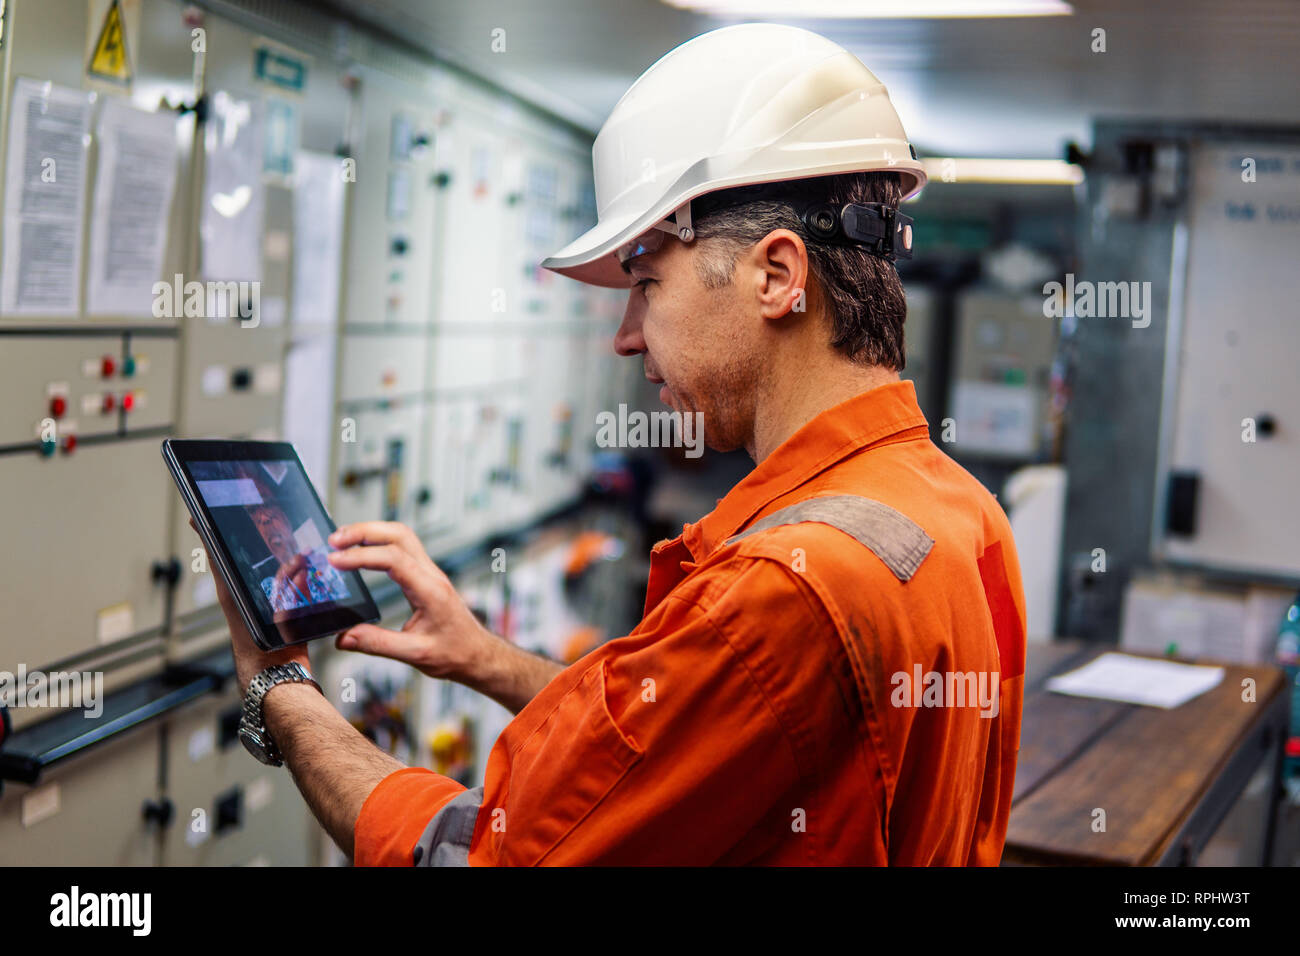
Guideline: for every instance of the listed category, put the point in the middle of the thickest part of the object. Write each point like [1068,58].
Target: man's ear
[782,261]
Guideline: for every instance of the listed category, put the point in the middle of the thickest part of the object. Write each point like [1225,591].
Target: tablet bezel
[298,628]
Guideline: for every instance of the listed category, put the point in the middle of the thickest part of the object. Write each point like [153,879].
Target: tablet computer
[266,533]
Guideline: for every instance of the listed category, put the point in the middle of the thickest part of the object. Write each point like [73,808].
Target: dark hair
[863,292]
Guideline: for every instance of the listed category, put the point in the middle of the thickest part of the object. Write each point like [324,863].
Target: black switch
[160,811]
[228,726]
[241,379]
[230,810]
[398,246]
[1180,517]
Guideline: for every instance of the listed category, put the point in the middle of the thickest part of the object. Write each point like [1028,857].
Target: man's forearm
[509,675]
[334,766]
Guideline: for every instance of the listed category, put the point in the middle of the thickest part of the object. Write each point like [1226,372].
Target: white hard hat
[747,104]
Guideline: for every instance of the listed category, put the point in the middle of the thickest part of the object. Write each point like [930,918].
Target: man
[830,665]
[297,578]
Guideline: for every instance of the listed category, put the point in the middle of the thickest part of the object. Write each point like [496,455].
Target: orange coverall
[790,695]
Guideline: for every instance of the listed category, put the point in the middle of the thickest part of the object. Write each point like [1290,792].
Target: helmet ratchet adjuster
[880,229]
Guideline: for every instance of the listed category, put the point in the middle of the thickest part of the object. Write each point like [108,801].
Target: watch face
[254,744]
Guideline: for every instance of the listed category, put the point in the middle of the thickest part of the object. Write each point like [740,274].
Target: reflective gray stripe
[895,538]
[445,841]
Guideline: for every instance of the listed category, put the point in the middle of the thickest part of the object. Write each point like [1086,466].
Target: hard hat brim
[591,257]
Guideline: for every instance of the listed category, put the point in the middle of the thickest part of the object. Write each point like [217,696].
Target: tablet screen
[275,531]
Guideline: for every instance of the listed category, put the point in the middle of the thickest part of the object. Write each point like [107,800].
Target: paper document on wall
[309,403]
[1138,680]
[133,196]
[230,226]
[317,239]
[317,262]
[45,199]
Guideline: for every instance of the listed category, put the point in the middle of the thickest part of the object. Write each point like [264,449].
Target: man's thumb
[379,641]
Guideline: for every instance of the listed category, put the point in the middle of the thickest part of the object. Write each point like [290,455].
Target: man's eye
[644,284]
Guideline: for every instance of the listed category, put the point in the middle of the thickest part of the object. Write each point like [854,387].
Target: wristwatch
[252,725]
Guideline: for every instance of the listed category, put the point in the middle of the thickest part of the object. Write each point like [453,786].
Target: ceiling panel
[992,87]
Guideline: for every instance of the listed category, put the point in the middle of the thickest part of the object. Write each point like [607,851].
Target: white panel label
[258,794]
[215,380]
[275,245]
[41,804]
[115,622]
[202,742]
[267,378]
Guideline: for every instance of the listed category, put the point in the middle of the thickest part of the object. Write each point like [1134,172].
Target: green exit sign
[279,69]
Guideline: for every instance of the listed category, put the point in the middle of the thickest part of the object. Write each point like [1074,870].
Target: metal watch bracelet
[253,717]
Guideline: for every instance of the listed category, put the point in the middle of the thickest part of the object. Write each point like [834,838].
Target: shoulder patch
[894,538]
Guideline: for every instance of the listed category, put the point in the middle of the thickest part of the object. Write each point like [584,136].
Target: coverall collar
[878,416]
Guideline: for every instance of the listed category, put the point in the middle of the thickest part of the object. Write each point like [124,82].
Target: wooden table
[1165,778]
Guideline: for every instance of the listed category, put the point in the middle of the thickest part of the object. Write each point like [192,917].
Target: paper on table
[1138,680]
[45,203]
[133,196]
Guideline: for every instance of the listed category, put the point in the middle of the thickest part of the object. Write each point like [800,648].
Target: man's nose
[628,339]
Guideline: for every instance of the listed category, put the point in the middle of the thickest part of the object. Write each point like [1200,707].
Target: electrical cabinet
[1229,429]
[85,499]
[89,811]
[227,808]
[1001,370]
[346,255]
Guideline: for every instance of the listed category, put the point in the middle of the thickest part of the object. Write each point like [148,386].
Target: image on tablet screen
[274,529]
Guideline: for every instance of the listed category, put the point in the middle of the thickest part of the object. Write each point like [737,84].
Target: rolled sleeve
[396,814]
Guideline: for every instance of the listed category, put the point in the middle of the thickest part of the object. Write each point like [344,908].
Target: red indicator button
[58,405]
[109,403]
[69,444]
[107,366]
[128,402]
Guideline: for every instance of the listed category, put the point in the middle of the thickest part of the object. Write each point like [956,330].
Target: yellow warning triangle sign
[109,60]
